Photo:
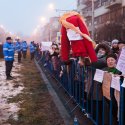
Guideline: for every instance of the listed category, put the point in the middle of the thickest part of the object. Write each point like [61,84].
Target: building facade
[51,30]
[109,18]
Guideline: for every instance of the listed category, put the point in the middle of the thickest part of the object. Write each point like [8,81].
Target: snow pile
[9,89]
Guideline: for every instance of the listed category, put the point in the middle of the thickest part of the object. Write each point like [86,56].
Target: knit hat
[115,41]
[112,55]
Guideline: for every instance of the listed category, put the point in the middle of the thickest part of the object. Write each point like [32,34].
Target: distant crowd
[108,54]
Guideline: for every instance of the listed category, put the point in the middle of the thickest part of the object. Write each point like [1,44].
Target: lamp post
[93,28]
[50,39]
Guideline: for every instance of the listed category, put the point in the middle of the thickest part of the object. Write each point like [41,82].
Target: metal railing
[79,84]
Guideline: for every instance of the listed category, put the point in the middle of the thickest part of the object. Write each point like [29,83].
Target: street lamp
[93,28]
[92,15]
[43,20]
[51,6]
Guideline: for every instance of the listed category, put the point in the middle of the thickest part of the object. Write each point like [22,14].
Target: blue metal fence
[79,84]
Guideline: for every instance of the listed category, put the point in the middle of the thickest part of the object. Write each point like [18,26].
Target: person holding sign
[111,63]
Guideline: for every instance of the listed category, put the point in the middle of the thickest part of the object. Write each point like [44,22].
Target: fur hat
[103,46]
[112,55]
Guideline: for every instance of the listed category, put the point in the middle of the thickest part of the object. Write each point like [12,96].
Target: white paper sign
[123,85]
[72,35]
[121,62]
[45,46]
[115,83]
[99,74]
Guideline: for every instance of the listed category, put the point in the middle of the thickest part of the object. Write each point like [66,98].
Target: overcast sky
[24,15]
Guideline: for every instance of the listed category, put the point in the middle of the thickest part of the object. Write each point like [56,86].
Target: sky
[23,16]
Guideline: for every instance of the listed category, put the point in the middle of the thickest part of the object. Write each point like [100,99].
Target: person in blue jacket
[32,50]
[24,49]
[19,49]
[8,51]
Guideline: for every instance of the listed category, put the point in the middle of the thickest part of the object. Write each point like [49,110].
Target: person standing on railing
[8,51]
[19,49]
[32,50]
[24,49]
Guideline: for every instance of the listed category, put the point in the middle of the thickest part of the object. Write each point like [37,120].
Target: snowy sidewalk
[8,90]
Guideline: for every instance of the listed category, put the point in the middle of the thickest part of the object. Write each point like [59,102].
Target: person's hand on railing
[87,61]
[68,62]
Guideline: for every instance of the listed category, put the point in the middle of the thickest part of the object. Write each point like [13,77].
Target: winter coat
[18,46]
[8,51]
[32,48]
[24,46]
[101,63]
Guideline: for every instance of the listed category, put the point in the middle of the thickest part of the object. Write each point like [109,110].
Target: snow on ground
[9,89]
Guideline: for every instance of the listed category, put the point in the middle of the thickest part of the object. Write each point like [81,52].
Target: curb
[62,110]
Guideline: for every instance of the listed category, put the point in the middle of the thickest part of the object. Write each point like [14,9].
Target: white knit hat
[115,41]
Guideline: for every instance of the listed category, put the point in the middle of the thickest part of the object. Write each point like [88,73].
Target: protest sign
[72,35]
[99,74]
[117,97]
[115,83]
[45,46]
[121,62]
[106,85]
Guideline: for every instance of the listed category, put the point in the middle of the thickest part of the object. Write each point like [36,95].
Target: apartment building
[51,30]
[109,18]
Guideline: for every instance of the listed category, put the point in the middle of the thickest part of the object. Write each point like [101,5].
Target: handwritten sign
[115,83]
[117,97]
[72,35]
[106,85]
[121,62]
[46,46]
[99,74]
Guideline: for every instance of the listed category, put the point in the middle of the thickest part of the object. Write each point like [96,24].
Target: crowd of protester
[108,54]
